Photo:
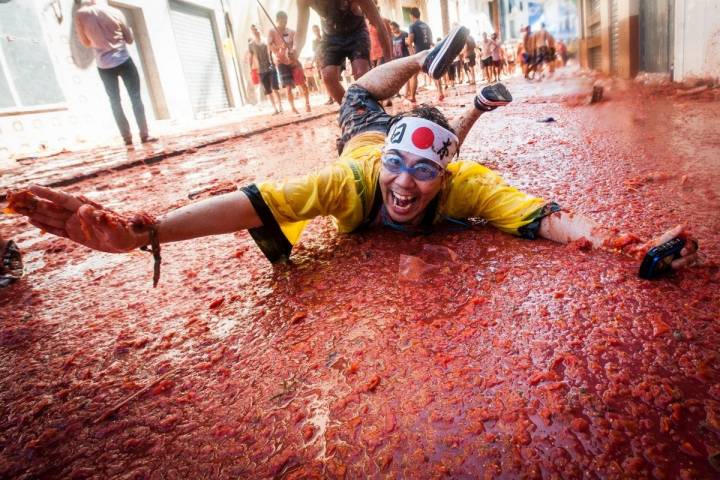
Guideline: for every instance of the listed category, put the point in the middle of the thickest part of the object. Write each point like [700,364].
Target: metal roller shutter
[200,57]
[614,36]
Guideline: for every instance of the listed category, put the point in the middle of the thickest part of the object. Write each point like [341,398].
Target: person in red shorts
[263,70]
[282,45]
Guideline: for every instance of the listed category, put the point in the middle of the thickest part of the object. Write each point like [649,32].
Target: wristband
[481,106]
[146,223]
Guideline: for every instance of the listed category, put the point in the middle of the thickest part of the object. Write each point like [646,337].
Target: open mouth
[402,203]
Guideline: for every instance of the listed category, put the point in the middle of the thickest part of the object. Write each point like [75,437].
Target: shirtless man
[488,47]
[544,44]
[260,59]
[282,44]
[345,35]
[528,55]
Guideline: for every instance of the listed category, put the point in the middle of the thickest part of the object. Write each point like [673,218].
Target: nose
[405,180]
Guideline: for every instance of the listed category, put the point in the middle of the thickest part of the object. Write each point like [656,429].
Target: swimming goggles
[421,171]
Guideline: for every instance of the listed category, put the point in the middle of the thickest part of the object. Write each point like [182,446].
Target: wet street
[505,358]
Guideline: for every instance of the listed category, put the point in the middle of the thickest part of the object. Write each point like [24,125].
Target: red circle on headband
[423,138]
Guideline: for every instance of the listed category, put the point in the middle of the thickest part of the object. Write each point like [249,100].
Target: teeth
[402,200]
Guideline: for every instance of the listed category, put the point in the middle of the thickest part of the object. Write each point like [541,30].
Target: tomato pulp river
[509,358]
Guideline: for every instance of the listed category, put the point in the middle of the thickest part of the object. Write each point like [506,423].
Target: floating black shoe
[444,53]
[492,96]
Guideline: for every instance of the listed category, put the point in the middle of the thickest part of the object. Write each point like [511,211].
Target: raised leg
[387,79]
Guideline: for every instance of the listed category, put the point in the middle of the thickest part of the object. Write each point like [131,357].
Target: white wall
[86,116]
[697,39]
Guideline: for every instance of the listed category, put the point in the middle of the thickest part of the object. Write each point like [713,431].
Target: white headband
[424,138]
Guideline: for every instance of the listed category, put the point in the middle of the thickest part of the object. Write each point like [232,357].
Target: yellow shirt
[345,191]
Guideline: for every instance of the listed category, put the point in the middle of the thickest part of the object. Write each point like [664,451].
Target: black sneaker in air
[444,53]
[492,96]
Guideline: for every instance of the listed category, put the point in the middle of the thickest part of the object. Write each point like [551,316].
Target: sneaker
[442,56]
[148,139]
[492,96]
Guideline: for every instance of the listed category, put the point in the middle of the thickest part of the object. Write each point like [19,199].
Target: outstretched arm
[87,223]
[566,227]
[487,100]
[302,26]
[465,122]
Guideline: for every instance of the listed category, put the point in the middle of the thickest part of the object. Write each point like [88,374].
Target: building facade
[678,38]
[51,95]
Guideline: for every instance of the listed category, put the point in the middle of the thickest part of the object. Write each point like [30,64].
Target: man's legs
[387,79]
[131,79]
[290,98]
[306,93]
[412,87]
[439,86]
[360,67]
[109,77]
[331,79]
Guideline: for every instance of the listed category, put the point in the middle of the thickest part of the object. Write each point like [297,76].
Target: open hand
[79,219]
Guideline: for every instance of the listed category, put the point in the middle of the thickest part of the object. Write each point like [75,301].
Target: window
[27,76]
[407,18]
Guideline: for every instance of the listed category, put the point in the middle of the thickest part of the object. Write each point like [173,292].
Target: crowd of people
[355,38]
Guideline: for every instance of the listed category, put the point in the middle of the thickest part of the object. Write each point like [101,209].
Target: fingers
[685,261]
[46,209]
[53,221]
[690,247]
[63,199]
[50,229]
[669,235]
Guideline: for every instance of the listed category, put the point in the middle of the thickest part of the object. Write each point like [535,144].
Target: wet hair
[428,112]
[280,15]
[415,12]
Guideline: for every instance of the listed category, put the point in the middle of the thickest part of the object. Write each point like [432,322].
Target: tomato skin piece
[308,431]
[373,383]
[215,304]
[687,448]
[579,425]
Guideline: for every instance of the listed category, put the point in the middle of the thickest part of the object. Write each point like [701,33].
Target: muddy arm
[89,224]
[465,122]
[212,216]
[566,227]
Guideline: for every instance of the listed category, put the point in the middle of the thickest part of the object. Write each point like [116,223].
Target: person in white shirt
[104,29]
